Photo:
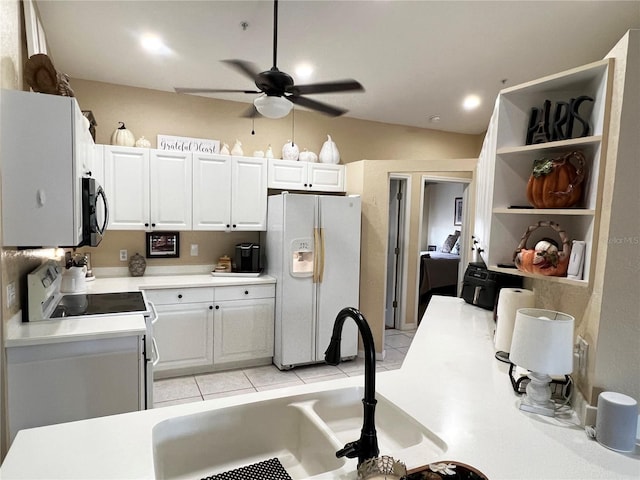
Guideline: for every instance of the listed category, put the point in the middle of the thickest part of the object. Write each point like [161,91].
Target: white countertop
[449,382]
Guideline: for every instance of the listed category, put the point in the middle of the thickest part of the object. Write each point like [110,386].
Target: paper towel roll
[509,301]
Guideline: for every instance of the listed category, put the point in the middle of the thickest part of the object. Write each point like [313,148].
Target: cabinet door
[326,177]
[184,334]
[248,194]
[127,187]
[211,192]
[243,330]
[287,174]
[170,188]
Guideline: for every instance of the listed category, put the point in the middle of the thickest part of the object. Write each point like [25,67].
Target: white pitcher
[73,280]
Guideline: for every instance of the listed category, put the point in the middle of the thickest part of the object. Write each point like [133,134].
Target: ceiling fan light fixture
[272,106]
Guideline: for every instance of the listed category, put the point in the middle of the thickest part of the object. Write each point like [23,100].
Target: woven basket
[546,263]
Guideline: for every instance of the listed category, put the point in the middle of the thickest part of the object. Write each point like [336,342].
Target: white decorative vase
[329,152]
[237,149]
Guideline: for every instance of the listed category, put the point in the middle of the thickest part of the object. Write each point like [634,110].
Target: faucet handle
[350,450]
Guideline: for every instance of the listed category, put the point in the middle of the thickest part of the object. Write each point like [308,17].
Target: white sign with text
[187,144]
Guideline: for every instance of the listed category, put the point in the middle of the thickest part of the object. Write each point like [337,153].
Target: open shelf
[513,162]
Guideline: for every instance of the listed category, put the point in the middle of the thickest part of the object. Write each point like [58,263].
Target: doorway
[444,212]
[395,301]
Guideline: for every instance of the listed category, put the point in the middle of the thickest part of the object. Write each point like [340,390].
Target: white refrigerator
[312,247]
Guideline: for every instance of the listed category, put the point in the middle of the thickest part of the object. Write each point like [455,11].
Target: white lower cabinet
[243,330]
[196,334]
[184,334]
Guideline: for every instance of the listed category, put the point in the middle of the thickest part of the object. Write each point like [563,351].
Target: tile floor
[196,388]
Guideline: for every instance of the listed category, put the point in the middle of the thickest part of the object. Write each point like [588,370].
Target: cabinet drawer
[241,292]
[168,296]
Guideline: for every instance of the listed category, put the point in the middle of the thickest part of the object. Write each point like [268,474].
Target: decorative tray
[445,470]
[237,274]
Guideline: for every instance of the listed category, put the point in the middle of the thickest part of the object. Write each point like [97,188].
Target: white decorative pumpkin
[307,156]
[143,143]
[225,149]
[329,152]
[122,137]
[237,149]
[290,151]
[258,154]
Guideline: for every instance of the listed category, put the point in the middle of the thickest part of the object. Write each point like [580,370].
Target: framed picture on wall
[457,211]
[163,244]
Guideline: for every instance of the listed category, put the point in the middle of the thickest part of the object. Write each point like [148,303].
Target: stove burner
[79,304]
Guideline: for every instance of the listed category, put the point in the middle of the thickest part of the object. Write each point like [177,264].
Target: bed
[438,270]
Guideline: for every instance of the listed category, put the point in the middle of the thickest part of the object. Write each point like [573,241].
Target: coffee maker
[248,257]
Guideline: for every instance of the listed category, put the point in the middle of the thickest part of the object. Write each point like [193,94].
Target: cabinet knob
[153,224]
[234,225]
[179,295]
[210,307]
[228,225]
[88,173]
[146,224]
[217,307]
[310,185]
[246,292]
[305,184]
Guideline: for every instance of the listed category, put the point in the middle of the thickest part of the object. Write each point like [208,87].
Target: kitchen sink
[199,445]
[341,411]
[303,432]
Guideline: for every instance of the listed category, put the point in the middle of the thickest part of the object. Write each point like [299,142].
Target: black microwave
[95,212]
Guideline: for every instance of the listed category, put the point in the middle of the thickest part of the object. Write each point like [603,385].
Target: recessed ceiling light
[154,44]
[471,102]
[303,71]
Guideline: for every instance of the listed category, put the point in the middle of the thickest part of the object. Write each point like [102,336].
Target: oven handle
[155,353]
[154,313]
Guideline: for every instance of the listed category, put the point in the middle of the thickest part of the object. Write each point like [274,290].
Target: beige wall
[370,178]
[149,113]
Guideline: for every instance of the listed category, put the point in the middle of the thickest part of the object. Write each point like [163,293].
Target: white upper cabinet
[294,175]
[170,190]
[127,187]
[511,213]
[229,193]
[147,189]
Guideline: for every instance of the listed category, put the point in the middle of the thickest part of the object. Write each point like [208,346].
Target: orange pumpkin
[556,183]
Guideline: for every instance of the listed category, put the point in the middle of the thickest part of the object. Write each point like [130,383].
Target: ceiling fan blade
[327,87]
[315,105]
[212,90]
[246,68]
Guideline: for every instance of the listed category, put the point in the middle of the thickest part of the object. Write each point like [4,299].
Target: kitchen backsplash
[211,246]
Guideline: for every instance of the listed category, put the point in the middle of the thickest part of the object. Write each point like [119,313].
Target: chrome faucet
[367,446]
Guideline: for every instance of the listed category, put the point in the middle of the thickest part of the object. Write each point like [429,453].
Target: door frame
[400,322]
[465,245]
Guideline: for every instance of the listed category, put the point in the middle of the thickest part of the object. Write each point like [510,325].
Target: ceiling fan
[278,90]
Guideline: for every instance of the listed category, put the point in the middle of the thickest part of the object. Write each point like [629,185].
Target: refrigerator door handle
[316,252]
[321,260]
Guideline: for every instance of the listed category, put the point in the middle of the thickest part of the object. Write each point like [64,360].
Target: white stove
[47,303]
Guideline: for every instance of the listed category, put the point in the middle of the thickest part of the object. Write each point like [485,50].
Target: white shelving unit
[511,213]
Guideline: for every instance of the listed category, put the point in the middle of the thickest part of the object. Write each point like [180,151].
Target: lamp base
[547,410]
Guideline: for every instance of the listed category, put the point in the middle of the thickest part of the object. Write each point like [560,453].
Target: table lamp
[542,343]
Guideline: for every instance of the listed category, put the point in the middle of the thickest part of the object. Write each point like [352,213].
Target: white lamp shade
[273,107]
[543,341]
